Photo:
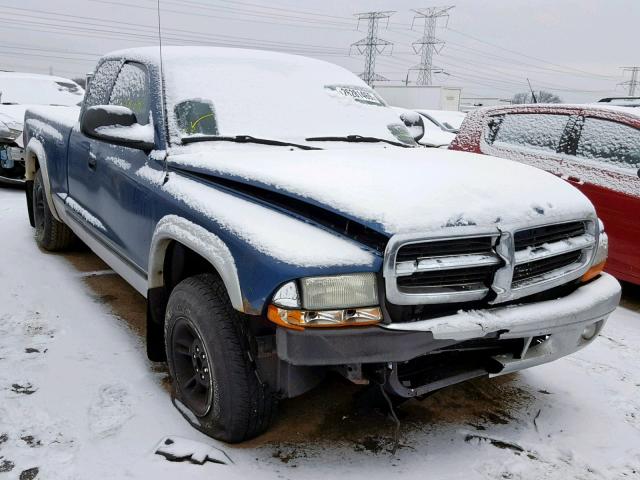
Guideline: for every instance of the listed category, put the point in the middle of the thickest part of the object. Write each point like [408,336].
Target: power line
[372,45]
[428,44]
[525,55]
[61,26]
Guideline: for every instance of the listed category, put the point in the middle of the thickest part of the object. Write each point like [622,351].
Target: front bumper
[12,165]
[561,322]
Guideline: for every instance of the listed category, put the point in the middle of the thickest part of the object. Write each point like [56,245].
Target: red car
[596,148]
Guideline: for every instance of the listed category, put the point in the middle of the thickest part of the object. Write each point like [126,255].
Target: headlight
[600,257]
[341,291]
[335,301]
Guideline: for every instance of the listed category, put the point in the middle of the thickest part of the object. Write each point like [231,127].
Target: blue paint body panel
[129,208]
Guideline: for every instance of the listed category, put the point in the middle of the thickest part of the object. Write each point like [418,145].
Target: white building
[416,97]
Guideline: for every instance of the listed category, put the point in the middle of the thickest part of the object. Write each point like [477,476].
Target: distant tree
[81,81]
[542,97]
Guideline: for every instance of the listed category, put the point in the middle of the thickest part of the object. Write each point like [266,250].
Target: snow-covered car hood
[396,190]
[12,116]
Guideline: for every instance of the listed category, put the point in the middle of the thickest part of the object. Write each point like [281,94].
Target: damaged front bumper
[418,357]
[12,165]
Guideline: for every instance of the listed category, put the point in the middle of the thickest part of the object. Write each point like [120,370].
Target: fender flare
[204,243]
[35,154]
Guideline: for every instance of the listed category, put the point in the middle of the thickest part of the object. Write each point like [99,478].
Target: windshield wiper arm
[245,139]
[357,139]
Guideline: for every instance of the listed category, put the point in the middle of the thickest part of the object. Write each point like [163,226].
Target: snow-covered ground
[79,400]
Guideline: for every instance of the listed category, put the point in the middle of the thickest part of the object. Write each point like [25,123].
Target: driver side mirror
[414,123]
[117,125]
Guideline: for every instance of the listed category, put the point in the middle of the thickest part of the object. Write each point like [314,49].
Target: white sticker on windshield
[359,94]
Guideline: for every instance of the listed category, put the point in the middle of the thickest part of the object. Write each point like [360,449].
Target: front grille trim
[537,236]
[501,261]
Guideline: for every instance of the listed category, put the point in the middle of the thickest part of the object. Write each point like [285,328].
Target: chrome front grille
[545,253]
[533,270]
[534,237]
[463,279]
[463,264]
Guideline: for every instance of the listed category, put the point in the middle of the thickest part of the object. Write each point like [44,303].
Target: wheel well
[32,165]
[180,262]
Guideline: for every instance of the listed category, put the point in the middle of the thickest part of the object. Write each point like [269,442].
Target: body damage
[411,190]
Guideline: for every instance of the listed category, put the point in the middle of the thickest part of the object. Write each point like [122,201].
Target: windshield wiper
[245,139]
[357,139]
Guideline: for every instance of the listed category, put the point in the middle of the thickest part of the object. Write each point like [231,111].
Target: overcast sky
[574,48]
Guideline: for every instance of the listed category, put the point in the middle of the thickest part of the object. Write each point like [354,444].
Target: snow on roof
[187,54]
[605,107]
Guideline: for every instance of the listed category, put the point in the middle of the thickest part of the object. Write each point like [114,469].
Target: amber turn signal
[593,272]
[300,319]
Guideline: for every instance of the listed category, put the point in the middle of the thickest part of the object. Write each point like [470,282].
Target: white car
[424,130]
[446,120]
[19,91]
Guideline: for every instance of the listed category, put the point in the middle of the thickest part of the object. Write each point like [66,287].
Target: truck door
[84,190]
[105,195]
[123,204]
[605,168]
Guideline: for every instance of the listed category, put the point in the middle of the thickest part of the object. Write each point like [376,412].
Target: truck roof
[180,54]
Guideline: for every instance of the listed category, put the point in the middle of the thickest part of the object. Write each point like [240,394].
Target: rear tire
[51,235]
[208,356]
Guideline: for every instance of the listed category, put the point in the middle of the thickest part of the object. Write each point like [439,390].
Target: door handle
[92,162]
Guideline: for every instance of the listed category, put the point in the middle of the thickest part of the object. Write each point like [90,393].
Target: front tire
[208,355]
[51,235]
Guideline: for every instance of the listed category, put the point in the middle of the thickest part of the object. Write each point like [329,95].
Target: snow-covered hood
[397,190]
[12,117]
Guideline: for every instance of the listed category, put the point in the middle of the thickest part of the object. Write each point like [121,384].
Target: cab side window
[131,90]
[100,85]
[609,142]
[529,131]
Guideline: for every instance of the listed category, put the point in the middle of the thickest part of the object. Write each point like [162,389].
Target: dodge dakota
[281,224]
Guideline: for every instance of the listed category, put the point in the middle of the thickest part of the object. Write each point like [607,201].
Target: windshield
[233,92]
[38,90]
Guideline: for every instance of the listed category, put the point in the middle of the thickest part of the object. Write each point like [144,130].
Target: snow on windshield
[270,95]
[25,89]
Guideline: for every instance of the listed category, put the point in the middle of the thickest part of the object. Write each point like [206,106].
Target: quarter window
[530,131]
[100,85]
[131,90]
[610,142]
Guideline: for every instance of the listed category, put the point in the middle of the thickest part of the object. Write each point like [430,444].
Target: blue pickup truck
[281,223]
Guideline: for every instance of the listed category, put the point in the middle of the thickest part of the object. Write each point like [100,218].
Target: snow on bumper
[563,320]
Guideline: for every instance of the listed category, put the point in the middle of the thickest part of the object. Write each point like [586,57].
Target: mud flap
[156,301]
[29,192]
